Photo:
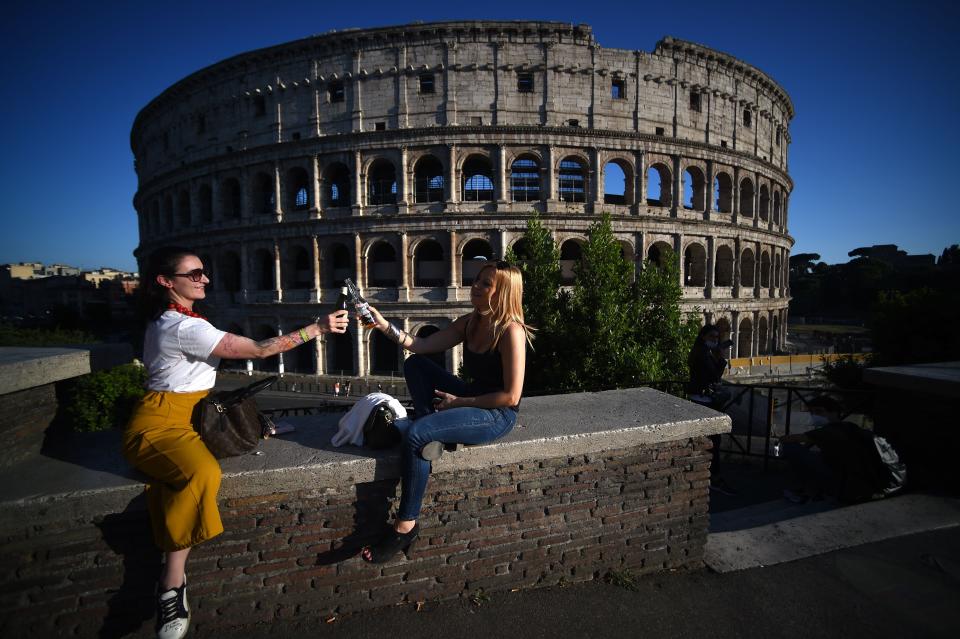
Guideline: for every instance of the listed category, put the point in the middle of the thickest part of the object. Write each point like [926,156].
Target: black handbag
[379,431]
[229,422]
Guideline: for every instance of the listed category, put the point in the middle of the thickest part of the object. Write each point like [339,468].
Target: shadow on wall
[370,521]
[128,534]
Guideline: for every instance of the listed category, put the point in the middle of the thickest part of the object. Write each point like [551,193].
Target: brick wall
[24,416]
[290,554]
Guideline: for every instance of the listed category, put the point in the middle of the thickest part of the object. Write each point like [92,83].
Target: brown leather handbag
[229,422]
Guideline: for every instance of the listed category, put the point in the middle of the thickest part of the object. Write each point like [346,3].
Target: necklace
[183,310]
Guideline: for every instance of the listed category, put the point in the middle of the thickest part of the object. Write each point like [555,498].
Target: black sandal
[391,544]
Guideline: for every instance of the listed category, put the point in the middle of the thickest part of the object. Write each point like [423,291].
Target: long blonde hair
[507,303]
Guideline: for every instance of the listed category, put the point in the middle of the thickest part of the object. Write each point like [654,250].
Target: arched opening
[428,264]
[525,180]
[228,272]
[763,347]
[764,203]
[230,194]
[382,183]
[476,253]
[616,182]
[427,331]
[270,364]
[428,180]
[747,266]
[339,265]
[746,197]
[571,252]
[297,269]
[724,272]
[776,207]
[521,250]
[298,189]
[722,193]
[777,271]
[764,270]
[336,186]
[264,195]
[745,339]
[658,185]
[695,266]
[384,359]
[723,327]
[183,209]
[340,353]
[572,180]
[477,179]
[693,188]
[205,198]
[659,253]
[382,265]
[263,270]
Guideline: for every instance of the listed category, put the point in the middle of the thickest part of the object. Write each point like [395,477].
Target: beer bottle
[360,304]
[343,302]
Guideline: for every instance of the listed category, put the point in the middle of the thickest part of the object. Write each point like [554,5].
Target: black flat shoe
[391,544]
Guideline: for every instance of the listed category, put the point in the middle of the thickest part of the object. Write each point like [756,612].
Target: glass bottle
[360,304]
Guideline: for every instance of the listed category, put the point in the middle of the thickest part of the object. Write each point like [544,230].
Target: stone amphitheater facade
[398,156]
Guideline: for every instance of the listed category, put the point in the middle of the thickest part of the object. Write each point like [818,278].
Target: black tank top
[484,370]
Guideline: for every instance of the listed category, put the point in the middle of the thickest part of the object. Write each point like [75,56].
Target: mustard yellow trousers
[184,477]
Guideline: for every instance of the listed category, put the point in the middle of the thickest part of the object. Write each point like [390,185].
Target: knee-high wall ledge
[584,484]
[395,156]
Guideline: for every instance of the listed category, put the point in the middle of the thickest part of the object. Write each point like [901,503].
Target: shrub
[14,336]
[105,399]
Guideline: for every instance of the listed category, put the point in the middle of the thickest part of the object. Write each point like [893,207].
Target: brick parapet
[584,484]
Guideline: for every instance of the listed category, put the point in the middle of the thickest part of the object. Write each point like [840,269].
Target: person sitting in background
[706,364]
[839,459]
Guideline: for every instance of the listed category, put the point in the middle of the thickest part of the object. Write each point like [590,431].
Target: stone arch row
[426,176]
[396,260]
[754,333]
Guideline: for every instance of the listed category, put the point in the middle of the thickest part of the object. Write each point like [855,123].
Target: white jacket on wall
[350,428]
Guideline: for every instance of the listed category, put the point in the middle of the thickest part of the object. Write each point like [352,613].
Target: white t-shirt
[177,353]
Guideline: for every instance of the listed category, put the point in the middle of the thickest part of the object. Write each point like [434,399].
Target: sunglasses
[195,275]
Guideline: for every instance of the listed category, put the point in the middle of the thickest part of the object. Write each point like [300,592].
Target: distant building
[33,291]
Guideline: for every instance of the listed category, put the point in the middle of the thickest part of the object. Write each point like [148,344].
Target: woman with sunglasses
[447,409]
[181,351]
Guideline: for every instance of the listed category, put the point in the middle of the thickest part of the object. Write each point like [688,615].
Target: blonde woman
[449,410]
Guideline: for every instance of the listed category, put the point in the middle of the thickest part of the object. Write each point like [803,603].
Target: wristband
[304,336]
[394,333]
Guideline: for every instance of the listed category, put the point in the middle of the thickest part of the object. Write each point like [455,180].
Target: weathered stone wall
[642,508]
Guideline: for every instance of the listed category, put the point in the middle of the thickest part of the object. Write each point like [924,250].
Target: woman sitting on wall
[181,351]
[449,410]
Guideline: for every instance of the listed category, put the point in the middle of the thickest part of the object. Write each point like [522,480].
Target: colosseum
[400,156]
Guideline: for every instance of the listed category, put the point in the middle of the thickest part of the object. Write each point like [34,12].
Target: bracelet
[395,333]
[304,336]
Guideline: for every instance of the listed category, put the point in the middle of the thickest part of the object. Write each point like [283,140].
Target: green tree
[539,262]
[614,329]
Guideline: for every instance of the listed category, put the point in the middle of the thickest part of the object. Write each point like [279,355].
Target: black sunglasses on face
[195,275]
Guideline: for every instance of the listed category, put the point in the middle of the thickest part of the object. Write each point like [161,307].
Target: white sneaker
[173,613]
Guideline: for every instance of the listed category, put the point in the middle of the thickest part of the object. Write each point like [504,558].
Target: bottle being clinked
[361,305]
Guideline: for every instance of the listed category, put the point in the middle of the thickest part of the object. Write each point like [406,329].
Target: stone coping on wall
[28,367]
[84,475]
[942,378]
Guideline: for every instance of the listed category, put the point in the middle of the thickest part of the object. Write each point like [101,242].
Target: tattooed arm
[239,347]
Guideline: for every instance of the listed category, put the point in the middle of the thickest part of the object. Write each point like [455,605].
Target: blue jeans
[452,426]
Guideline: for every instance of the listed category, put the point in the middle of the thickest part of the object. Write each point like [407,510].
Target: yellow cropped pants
[184,477]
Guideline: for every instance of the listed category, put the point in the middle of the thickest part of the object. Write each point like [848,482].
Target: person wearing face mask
[839,459]
[706,364]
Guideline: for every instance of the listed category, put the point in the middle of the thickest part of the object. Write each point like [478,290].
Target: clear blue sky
[875,85]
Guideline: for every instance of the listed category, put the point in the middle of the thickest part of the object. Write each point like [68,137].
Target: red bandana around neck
[173,306]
